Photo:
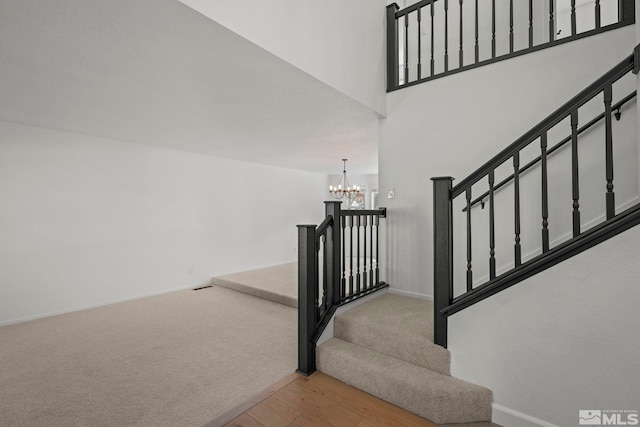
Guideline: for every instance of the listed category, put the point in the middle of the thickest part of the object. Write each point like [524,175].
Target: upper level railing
[338,262]
[435,38]
[548,254]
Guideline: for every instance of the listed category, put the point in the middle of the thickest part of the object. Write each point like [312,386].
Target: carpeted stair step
[397,326]
[439,398]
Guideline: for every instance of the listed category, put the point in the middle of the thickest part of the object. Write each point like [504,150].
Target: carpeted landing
[385,347]
[278,283]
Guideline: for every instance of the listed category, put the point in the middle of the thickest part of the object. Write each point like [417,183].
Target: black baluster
[598,15]
[610,195]
[446,35]
[325,274]
[493,28]
[545,193]
[552,22]
[419,43]
[358,282]
[530,23]
[364,252]
[350,255]
[461,54]
[492,230]
[575,185]
[371,252]
[477,35]
[343,281]
[406,48]
[469,271]
[516,203]
[510,26]
[377,249]
[433,62]
[573,17]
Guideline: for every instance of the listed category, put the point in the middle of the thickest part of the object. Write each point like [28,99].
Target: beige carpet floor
[177,359]
[278,283]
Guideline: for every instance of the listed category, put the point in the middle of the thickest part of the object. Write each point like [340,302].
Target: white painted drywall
[341,43]
[451,125]
[86,221]
[563,340]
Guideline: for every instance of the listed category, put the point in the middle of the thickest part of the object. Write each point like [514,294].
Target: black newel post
[442,255]
[307,297]
[627,11]
[392,47]
[333,289]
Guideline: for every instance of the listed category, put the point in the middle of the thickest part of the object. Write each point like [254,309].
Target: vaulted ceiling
[156,72]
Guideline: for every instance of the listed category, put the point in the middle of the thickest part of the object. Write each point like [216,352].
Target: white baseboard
[510,418]
[101,304]
[410,294]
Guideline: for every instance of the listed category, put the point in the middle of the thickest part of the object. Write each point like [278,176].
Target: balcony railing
[435,38]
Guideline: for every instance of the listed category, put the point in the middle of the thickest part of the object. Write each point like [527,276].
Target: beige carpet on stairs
[278,283]
[385,347]
[178,359]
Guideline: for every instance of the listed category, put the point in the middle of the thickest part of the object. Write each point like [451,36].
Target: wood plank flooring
[319,400]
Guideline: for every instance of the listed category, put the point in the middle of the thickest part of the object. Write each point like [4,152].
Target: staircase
[394,347]
[385,347]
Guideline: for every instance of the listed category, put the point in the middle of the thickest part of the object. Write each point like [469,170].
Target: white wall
[341,43]
[563,340]
[86,221]
[451,125]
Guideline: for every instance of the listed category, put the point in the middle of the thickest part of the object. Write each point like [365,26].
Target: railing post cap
[393,5]
[306,226]
[442,178]
[333,201]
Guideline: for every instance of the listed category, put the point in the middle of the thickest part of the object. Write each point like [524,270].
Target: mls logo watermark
[597,417]
[590,417]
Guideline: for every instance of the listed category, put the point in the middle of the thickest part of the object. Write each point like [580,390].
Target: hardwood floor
[319,400]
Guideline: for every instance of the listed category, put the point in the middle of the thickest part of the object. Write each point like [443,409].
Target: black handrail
[550,121]
[345,277]
[324,225]
[382,212]
[407,10]
[617,106]
[444,193]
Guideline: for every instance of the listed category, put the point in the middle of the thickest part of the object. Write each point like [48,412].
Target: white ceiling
[156,72]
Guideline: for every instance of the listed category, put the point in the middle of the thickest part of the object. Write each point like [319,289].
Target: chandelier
[344,190]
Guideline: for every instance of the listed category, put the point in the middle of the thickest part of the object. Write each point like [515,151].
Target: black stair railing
[338,262]
[444,194]
[617,107]
[423,42]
